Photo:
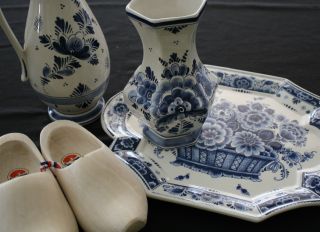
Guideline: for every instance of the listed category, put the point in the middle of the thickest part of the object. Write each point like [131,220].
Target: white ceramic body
[65,55]
[171,90]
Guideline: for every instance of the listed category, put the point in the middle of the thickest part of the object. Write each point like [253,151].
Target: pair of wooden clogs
[94,187]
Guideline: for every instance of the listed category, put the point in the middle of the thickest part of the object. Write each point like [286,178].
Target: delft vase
[171,90]
[65,58]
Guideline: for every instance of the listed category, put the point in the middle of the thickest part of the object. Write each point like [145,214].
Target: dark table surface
[277,37]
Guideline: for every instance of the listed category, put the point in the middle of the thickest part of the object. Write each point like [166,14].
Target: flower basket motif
[224,162]
[241,141]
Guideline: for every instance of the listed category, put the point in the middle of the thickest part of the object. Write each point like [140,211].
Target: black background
[277,37]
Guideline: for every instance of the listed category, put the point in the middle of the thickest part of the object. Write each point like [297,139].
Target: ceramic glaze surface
[257,154]
[65,55]
[171,90]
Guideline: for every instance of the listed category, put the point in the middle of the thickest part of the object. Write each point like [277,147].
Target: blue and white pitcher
[65,58]
[171,90]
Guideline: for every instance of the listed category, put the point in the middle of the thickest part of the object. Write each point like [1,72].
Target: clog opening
[68,144]
[159,10]
[16,160]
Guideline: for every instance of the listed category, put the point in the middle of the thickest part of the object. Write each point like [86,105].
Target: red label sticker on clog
[70,158]
[17,172]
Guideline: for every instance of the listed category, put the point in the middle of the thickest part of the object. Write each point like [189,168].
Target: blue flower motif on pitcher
[215,135]
[77,43]
[74,45]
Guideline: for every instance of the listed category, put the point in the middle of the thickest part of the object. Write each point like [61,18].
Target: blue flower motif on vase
[182,98]
[245,140]
[145,89]
[177,99]
[208,86]
[175,69]
[179,102]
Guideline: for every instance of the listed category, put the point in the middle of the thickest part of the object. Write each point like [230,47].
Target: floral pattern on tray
[241,141]
[244,140]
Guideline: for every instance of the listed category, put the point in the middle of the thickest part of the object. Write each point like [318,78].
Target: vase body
[66,58]
[171,90]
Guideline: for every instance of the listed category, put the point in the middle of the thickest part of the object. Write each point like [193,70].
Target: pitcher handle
[15,44]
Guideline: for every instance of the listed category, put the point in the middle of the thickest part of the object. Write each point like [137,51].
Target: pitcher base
[82,119]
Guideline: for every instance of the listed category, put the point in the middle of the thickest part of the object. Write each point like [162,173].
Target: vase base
[82,119]
[179,141]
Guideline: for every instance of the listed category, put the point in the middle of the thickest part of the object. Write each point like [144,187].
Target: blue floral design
[121,109]
[223,111]
[255,117]
[202,75]
[143,93]
[266,135]
[175,69]
[74,43]
[293,133]
[242,82]
[82,90]
[84,21]
[63,67]
[248,83]
[312,182]
[247,143]
[215,135]
[179,102]
[294,158]
[252,130]
[126,144]
[178,98]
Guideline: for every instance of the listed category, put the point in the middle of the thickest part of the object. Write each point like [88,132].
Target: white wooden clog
[104,194]
[30,200]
